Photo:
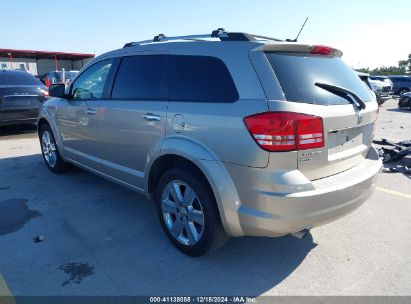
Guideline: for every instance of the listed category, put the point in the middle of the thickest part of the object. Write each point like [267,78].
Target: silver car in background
[231,134]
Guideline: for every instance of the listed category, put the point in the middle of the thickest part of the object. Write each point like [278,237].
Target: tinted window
[298,74]
[200,78]
[21,78]
[90,84]
[141,77]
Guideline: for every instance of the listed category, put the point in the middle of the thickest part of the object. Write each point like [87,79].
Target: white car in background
[385,79]
[381,89]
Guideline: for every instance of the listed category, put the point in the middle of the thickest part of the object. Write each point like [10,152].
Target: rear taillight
[286,131]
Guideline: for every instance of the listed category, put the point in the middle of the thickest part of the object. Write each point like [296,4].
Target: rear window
[200,78]
[21,78]
[298,74]
[141,77]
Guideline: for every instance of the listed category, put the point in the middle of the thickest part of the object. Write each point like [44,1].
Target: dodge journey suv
[230,134]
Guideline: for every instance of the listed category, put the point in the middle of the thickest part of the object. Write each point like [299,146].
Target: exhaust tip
[301,234]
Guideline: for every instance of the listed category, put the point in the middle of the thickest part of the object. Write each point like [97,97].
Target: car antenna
[295,40]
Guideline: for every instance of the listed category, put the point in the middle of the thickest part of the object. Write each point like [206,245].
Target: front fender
[48,113]
[214,170]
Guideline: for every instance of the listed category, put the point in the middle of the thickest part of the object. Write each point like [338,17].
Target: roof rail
[220,33]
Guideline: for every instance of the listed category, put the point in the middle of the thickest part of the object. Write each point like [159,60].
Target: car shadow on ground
[86,219]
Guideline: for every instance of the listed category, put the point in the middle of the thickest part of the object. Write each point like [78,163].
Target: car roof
[216,43]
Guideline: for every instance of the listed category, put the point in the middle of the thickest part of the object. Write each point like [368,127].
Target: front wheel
[188,212]
[50,151]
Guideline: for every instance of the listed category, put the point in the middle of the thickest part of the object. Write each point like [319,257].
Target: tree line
[403,68]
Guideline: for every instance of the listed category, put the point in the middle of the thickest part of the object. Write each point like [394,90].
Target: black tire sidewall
[212,221]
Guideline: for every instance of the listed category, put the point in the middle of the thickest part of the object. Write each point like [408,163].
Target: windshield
[298,75]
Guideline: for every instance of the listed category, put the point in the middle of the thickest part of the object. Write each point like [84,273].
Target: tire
[194,228]
[50,152]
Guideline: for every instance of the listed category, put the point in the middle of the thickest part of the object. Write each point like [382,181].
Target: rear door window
[297,75]
[200,78]
[141,77]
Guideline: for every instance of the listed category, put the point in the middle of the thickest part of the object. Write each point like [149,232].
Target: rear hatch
[348,126]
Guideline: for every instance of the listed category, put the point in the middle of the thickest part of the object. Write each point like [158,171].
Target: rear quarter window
[200,78]
[297,75]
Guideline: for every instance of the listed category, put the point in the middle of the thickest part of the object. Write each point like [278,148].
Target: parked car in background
[382,78]
[55,77]
[168,117]
[405,101]
[380,88]
[21,96]
[402,84]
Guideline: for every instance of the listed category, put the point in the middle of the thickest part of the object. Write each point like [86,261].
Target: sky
[371,33]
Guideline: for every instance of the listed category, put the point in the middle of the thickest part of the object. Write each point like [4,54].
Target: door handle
[90,111]
[151,117]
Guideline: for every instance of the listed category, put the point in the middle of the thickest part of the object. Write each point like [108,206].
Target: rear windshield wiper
[356,100]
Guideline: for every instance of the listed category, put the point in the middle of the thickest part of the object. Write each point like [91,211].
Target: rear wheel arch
[220,185]
[164,163]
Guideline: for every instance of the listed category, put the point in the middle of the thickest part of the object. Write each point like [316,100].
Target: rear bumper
[15,117]
[292,202]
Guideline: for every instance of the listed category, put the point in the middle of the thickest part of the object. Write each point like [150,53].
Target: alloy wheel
[49,149]
[182,212]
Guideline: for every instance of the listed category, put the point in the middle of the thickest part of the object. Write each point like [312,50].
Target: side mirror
[57,90]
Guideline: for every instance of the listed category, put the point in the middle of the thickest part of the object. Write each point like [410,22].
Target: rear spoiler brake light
[302,48]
